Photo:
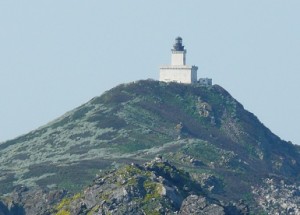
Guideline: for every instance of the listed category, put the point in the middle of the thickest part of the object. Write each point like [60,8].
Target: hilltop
[202,130]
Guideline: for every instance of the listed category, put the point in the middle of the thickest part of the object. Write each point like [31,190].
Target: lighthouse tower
[178,71]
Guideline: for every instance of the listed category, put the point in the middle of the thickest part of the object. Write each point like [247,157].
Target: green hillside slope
[201,129]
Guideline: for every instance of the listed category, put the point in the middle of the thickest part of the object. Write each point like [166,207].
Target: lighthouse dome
[178,44]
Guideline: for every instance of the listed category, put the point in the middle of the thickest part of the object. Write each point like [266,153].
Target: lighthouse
[178,71]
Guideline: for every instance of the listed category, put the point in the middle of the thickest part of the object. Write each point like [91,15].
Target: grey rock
[200,205]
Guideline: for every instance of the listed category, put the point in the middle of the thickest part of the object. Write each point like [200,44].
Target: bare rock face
[156,187]
[200,205]
[24,201]
[278,197]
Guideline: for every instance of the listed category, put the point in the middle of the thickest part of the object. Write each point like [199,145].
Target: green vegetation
[202,150]
[63,207]
[63,212]
[135,122]
[153,190]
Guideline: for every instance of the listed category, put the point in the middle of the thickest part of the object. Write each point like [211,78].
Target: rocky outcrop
[157,187]
[199,205]
[278,197]
[24,201]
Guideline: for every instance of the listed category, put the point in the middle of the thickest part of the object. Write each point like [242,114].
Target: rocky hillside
[202,130]
[156,187]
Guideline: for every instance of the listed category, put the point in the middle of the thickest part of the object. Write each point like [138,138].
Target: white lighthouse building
[178,71]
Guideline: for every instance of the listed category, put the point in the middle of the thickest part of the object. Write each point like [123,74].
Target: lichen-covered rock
[210,183]
[24,201]
[199,205]
[278,197]
[157,187]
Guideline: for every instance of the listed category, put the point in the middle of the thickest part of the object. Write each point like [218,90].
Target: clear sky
[56,55]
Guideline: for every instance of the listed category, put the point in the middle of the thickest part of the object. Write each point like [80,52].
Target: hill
[203,130]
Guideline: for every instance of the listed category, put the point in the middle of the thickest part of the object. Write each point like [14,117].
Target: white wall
[180,74]
[178,58]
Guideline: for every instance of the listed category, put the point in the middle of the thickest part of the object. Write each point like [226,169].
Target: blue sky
[56,55]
